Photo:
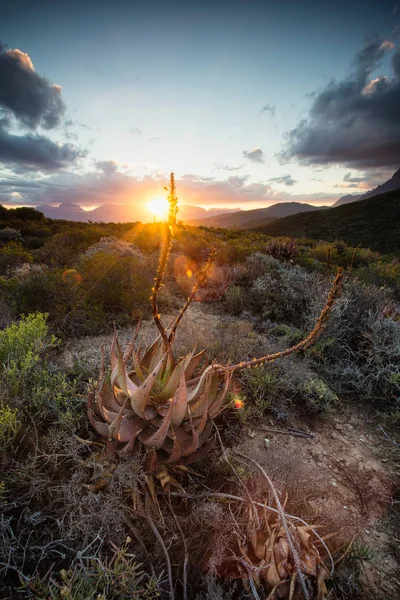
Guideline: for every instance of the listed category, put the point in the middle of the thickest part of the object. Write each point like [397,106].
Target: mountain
[389,186]
[67,210]
[120,213]
[372,223]
[245,219]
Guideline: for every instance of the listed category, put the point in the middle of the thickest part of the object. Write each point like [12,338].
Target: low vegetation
[106,506]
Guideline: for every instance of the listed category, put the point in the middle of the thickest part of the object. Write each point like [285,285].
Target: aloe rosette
[160,403]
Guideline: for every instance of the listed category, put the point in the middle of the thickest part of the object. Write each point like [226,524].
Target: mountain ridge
[390,185]
[371,223]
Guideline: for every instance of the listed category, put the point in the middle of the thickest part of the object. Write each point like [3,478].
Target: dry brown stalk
[169,225]
[282,516]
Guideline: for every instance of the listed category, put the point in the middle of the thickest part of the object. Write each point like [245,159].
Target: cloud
[36,152]
[96,188]
[109,167]
[222,167]
[271,108]
[356,121]
[31,98]
[135,130]
[256,155]
[285,179]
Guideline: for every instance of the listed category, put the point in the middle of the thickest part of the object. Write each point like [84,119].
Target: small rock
[339,427]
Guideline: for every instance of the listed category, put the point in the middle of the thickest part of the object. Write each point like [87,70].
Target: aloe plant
[164,403]
[159,403]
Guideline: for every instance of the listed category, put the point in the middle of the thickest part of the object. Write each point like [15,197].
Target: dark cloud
[269,108]
[349,178]
[31,98]
[355,122]
[109,167]
[35,152]
[256,155]
[285,179]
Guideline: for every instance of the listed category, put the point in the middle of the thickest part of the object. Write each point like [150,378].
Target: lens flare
[238,402]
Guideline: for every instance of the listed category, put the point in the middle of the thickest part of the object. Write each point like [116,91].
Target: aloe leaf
[105,398]
[113,355]
[120,374]
[194,392]
[141,395]
[114,426]
[197,405]
[130,428]
[150,353]
[176,452]
[217,406]
[131,344]
[193,443]
[193,363]
[180,402]
[136,365]
[101,428]
[157,439]
[171,386]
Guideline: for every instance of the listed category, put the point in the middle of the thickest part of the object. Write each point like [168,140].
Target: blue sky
[231,96]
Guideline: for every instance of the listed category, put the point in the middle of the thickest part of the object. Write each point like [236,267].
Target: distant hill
[120,213]
[372,223]
[389,186]
[244,219]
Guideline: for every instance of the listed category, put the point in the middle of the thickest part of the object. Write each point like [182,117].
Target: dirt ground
[346,479]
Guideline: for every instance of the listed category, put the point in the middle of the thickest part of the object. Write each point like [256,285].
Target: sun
[159,208]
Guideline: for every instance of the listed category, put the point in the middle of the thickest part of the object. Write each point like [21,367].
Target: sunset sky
[248,102]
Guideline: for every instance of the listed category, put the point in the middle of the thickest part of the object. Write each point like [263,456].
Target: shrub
[8,426]
[363,354]
[13,255]
[282,249]
[319,395]
[10,235]
[117,577]
[286,293]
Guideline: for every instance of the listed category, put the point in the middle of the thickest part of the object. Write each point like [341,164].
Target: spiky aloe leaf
[176,451]
[219,401]
[141,396]
[129,429]
[136,365]
[151,355]
[180,402]
[171,386]
[101,428]
[115,425]
[105,399]
[193,364]
[120,375]
[157,439]
[199,396]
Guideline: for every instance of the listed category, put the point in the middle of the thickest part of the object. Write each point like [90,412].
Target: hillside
[372,223]
[389,186]
[250,218]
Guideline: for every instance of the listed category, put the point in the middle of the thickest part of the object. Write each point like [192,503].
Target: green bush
[13,255]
